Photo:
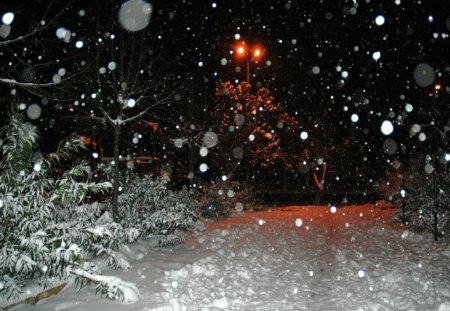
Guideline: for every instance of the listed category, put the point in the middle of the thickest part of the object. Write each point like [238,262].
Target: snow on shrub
[47,232]
[109,286]
[147,208]
[42,229]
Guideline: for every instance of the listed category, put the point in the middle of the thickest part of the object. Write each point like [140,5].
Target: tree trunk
[35,299]
[115,207]
[320,184]
[319,197]
[308,187]
[191,161]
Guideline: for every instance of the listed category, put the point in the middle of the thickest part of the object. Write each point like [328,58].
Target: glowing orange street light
[257,53]
[437,87]
[241,50]
[250,53]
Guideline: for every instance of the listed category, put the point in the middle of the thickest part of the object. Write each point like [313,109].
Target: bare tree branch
[29,84]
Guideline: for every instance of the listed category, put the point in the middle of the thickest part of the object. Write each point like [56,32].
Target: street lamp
[250,53]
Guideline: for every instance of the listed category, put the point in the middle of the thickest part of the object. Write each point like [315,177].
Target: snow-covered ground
[287,258]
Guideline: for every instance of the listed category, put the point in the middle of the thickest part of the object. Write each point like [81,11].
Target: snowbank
[291,258]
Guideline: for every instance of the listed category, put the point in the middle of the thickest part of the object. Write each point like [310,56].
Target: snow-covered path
[290,258]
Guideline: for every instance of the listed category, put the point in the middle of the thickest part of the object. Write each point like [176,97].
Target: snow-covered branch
[29,84]
[21,38]
[112,287]
[139,115]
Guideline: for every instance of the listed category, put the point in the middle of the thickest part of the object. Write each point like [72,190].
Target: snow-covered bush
[41,230]
[220,198]
[111,287]
[149,209]
[419,197]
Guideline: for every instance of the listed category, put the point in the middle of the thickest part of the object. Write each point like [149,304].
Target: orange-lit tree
[253,130]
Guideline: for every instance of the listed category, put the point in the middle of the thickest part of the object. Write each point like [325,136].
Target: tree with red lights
[253,129]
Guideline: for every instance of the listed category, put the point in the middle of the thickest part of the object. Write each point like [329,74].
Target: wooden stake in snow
[35,299]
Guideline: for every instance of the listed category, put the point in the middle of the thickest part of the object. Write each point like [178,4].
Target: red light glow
[240,49]
[257,52]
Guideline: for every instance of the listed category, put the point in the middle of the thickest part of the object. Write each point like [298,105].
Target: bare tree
[330,156]
[125,78]
[116,76]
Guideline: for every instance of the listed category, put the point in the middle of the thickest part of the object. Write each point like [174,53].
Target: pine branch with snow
[40,234]
[109,286]
[46,229]
[147,208]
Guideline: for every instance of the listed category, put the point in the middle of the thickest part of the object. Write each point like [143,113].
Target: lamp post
[250,53]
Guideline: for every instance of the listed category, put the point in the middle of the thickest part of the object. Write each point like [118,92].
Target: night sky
[300,36]
[321,57]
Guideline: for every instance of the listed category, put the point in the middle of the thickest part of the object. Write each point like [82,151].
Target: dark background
[296,35]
